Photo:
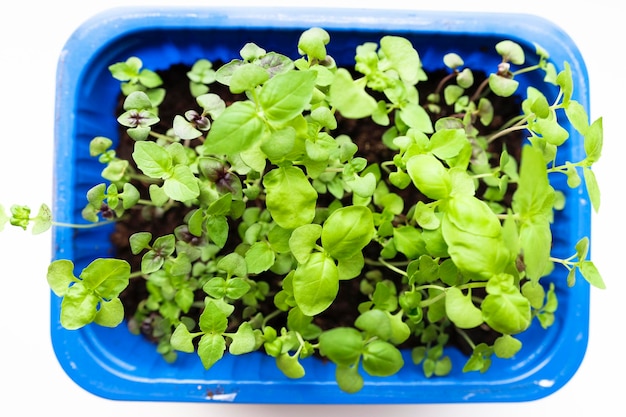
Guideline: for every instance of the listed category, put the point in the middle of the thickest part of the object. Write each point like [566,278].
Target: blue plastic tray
[115,364]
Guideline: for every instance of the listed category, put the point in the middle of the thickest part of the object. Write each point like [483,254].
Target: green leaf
[286,95]
[157,195]
[535,239]
[233,264]
[349,97]
[60,276]
[182,185]
[453,60]
[127,70]
[592,188]
[474,237]
[211,349]
[349,268]
[505,309]
[480,360]
[184,298]
[415,116]
[465,78]
[374,323]
[137,100]
[139,241]
[213,319]
[315,284]
[565,81]
[461,310]
[485,111]
[106,277]
[452,93]
[290,366]
[594,138]
[149,78]
[275,63]
[259,257]
[110,313]
[297,321]
[184,129]
[503,87]
[577,115]
[235,130]
[535,293]
[429,176]
[342,345]
[279,143]
[381,358]
[448,143]
[79,307]
[534,195]
[348,378]
[347,231]
[43,221]
[247,77]
[313,43]
[291,199]
[236,288]
[506,346]
[510,52]
[362,186]
[536,104]
[215,287]
[152,159]
[212,104]
[408,241]
[426,217]
[403,57]
[251,52]
[243,341]
[551,131]
[400,331]
[181,339]
[130,196]
[221,206]
[217,229]
[534,201]
[151,262]
[138,134]
[592,275]
[302,241]
[443,366]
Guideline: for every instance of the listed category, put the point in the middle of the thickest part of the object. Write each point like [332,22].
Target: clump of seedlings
[282,215]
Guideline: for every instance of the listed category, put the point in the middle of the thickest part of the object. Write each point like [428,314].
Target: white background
[33,34]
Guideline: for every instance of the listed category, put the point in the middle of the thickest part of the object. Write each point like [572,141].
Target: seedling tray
[115,364]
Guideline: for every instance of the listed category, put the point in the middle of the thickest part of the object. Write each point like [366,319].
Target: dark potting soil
[364,133]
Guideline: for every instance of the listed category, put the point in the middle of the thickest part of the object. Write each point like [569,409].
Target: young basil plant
[282,210]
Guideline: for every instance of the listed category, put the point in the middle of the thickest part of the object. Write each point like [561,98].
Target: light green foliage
[93,296]
[21,216]
[282,210]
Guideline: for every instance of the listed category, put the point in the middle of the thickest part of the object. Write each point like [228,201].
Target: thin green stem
[136,274]
[565,262]
[433,300]
[506,131]
[270,316]
[480,90]
[145,178]
[392,267]
[527,69]
[466,337]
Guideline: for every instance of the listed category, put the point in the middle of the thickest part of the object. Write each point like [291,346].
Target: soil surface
[344,311]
